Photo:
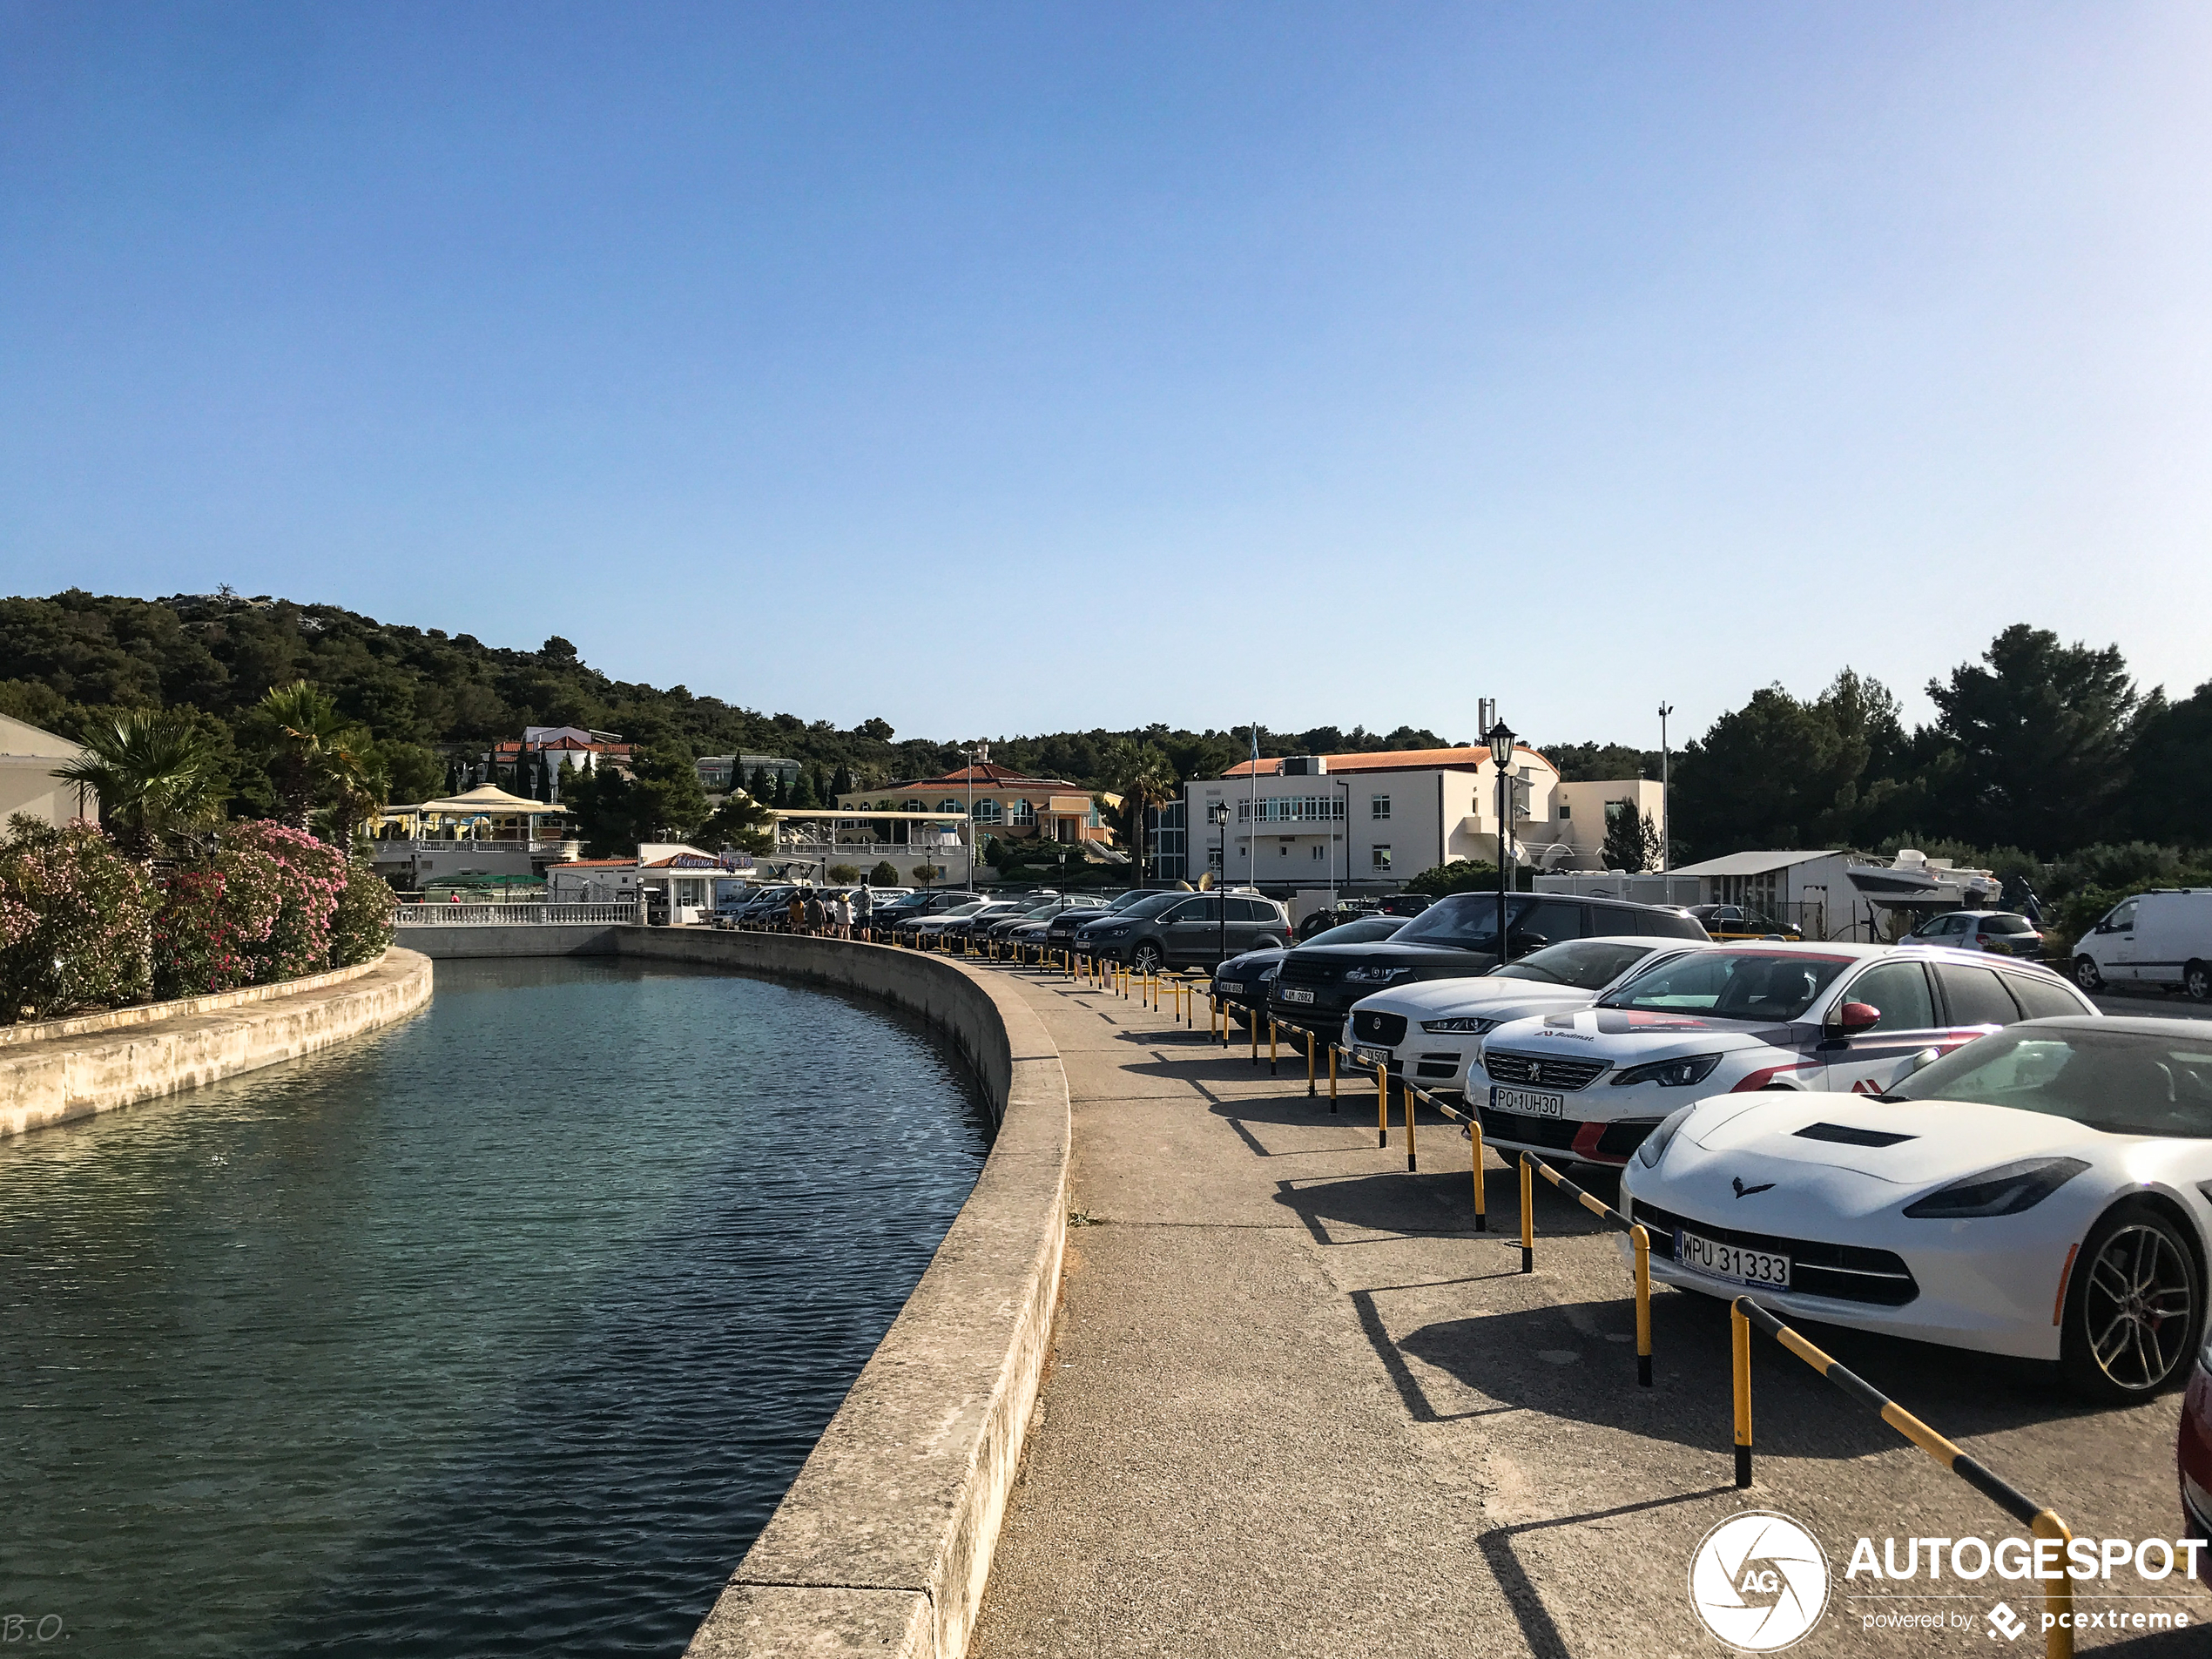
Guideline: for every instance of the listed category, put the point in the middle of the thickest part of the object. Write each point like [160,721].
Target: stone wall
[58,1070]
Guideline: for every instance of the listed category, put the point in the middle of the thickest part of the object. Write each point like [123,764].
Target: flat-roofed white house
[28,757]
[1374,821]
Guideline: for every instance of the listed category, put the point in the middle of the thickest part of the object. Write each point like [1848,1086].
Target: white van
[2158,938]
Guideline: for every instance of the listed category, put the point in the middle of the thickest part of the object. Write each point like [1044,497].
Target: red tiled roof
[592,864]
[987,775]
[1389,760]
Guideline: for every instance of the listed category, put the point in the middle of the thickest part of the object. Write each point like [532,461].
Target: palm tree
[1144,778]
[311,747]
[157,773]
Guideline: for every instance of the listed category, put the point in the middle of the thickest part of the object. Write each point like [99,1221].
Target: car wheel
[1148,958]
[2085,974]
[2132,1309]
[2196,979]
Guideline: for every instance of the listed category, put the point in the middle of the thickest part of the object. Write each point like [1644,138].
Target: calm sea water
[499,1333]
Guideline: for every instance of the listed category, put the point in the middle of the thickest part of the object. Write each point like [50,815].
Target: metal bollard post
[1411,1098]
[1382,1106]
[1332,1077]
[1641,1238]
[1271,1048]
[2058,1593]
[1528,1216]
[1309,1090]
[1739,1340]
[1475,1141]
[1251,1024]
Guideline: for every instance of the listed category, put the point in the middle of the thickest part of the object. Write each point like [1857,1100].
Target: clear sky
[1012,368]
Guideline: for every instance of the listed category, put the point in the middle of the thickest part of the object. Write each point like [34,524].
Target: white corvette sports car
[2044,1191]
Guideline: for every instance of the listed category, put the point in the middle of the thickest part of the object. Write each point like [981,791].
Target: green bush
[75,922]
[212,917]
[362,926]
[886,874]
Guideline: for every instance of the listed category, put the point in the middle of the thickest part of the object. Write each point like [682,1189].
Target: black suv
[1455,938]
[1182,929]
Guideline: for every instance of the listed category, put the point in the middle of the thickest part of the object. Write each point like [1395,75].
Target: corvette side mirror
[1915,1061]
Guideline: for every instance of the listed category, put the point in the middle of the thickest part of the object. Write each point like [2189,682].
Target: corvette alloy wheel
[2134,1306]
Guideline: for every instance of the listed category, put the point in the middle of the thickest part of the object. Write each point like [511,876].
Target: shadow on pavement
[1520,1359]
[1438,1199]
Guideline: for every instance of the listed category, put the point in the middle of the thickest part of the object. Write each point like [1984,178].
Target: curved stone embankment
[54,1071]
[884,1541]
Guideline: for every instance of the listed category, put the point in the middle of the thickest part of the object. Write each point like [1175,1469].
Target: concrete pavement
[1297,1404]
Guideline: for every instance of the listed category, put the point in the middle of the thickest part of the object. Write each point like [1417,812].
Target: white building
[28,757]
[1372,821]
[1825,893]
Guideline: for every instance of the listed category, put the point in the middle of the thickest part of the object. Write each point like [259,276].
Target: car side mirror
[1858,1016]
[1915,1061]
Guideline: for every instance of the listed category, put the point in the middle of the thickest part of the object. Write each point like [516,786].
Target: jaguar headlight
[1672,1073]
[2005,1191]
[1460,1025]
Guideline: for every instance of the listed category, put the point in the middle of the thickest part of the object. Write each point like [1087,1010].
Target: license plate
[1297,995]
[1527,1105]
[1232,988]
[1731,1262]
[1367,1057]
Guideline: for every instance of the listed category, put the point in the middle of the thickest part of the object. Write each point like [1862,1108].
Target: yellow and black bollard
[1739,1343]
[1474,1141]
[1332,1077]
[1528,1217]
[1271,1049]
[1639,1237]
[1411,1166]
[1309,1090]
[1382,1105]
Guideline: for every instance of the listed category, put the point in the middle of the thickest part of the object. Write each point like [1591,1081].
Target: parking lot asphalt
[1298,1405]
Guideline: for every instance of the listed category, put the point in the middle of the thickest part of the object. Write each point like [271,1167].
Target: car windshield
[1586,964]
[1365,930]
[2122,1082]
[1464,921]
[1145,904]
[1731,984]
[1135,896]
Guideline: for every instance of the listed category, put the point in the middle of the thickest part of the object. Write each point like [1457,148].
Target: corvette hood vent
[1845,1135]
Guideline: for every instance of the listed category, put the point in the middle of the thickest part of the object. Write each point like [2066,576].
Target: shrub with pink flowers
[308,878]
[75,919]
[82,926]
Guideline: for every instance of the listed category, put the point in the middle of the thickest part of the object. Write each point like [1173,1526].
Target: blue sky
[996,369]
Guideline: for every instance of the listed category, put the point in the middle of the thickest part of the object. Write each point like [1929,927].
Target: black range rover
[1455,938]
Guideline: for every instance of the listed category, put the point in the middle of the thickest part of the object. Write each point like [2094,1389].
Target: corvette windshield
[1730,985]
[1464,921]
[2124,1083]
[1583,964]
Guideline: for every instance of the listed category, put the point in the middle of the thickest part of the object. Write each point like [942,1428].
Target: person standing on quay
[795,914]
[867,909]
[815,914]
[845,915]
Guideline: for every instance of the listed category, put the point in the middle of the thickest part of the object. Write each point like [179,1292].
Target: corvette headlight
[1373,975]
[1461,1025]
[1655,1144]
[2005,1191]
[1672,1073]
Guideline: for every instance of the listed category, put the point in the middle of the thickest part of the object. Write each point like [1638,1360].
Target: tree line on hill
[2040,750]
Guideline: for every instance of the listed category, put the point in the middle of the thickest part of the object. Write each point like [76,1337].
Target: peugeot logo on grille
[1536,1071]
[1742,1191]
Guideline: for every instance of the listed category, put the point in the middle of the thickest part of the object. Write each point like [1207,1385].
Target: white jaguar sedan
[2042,1192]
[1430,1031]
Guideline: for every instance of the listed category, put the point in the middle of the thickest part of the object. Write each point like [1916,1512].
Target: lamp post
[1345,783]
[1220,899]
[1500,737]
[1666,844]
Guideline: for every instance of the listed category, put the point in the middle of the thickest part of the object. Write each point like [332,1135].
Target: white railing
[509,915]
[400,846]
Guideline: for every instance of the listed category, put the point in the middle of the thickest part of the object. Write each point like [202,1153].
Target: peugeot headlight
[1655,1144]
[2005,1191]
[1459,1025]
[1375,975]
[1672,1073]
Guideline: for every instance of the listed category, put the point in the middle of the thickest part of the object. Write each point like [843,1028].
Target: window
[1021,811]
[1282,849]
[1378,858]
[1566,812]
[1546,922]
[1250,910]
[2041,1000]
[1293,809]
[1213,858]
[1379,806]
[1976,994]
[1196,910]
[2121,921]
[1320,852]
[986,812]
[949,806]
[1900,991]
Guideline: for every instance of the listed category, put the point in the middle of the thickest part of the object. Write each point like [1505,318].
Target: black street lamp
[1500,737]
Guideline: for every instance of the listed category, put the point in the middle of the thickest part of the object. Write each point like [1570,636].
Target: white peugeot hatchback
[1590,1084]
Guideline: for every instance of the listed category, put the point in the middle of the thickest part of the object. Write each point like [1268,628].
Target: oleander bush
[75,922]
[83,927]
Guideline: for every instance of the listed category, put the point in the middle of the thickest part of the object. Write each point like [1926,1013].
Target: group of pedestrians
[834,917]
